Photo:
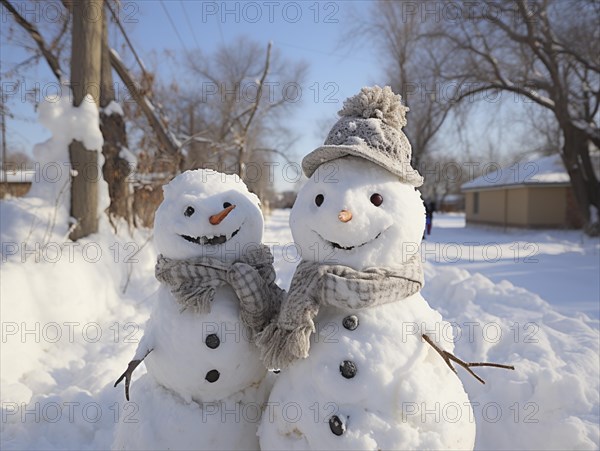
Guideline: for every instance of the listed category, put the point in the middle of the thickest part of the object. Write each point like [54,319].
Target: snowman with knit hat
[350,336]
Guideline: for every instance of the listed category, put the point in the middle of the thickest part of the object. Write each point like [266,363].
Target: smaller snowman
[350,338]
[205,385]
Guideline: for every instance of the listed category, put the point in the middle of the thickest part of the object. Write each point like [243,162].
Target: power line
[124,33]
[173,26]
[187,19]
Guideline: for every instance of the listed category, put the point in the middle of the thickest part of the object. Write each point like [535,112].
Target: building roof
[453,198]
[541,171]
[16,176]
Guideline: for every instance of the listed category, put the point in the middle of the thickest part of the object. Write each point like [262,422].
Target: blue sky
[306,30]
[310,31]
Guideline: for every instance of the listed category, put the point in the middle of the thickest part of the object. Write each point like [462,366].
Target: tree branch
[39,40]
[449,357]
[260,89]
[116,18]
[165,138]
[547,103]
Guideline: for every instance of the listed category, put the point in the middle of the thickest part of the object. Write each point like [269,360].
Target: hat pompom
[379,103]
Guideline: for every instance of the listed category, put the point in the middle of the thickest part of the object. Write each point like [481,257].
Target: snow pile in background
[44,211]
[561,266]
[66,123]
[67,308]
[68,331]
[552,399]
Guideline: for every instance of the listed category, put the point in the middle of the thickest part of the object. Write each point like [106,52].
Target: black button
[348,369]
[336,425]
[350,322]
[212,376]
[212,341]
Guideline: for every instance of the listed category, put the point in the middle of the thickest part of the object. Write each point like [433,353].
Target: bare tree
[158,123]
[411,69]
[49,50]
[116,168]
[18,160]
[544,132]
[544,51]
[243,93]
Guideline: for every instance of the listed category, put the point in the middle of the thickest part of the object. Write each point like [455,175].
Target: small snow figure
[205,383]
[352,335]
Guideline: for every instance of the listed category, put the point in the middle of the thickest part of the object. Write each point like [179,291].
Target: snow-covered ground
[561,266]
[71,323]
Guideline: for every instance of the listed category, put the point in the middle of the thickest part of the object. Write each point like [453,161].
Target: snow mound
[551,400]
[44,211]
[68,309]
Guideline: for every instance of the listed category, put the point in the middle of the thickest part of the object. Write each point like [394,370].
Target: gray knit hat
[370,127]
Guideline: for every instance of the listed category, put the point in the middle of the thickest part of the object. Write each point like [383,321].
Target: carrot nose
[216,219]
[345,216]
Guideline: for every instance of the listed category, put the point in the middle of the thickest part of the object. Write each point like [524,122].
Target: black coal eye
[226,205]
[377,199]
[189,211]
[319,199]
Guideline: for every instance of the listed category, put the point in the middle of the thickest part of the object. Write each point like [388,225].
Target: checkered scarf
[194,281]
[287,338]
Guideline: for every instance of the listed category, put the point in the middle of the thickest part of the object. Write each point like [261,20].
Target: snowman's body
[369,381]
[206,383]
[403,395]
[161,419]
[193,348]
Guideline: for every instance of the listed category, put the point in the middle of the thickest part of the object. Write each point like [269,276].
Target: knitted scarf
[287,338]
[194,281]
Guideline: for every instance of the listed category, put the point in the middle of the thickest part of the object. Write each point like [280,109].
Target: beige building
[15,183]
[531,194]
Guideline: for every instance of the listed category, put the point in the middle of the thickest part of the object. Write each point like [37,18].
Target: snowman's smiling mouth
[347,248]
[211,241]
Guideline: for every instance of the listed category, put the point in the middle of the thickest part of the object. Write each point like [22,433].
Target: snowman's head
[355,213]
[207,213]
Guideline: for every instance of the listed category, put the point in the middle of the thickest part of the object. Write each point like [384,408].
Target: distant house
[452,203]
[15,182]
[530,194]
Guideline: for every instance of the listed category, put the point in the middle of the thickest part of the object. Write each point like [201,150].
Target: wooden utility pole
[116,169]
[3,119]
[86,50]
[3,129]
